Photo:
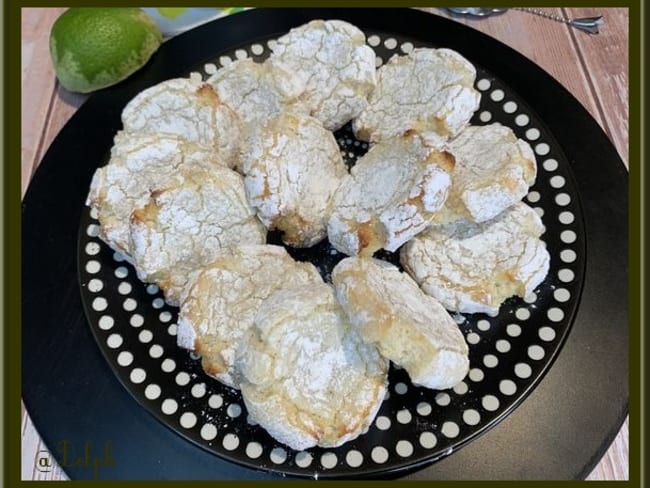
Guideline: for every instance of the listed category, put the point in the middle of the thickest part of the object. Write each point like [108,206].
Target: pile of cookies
[203,170]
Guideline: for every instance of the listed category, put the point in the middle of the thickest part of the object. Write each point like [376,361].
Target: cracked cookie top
[221,301]
[337,66]
[139,164]
[259,91]
[408,327]
[472,267]
[493,171]
[293,166]
[307,376]
[426,90]
[183,226]
[188,109]
[391,194]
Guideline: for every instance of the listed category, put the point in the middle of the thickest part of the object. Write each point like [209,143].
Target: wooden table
[593,68]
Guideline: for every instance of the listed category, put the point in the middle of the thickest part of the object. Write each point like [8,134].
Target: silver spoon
[586,24]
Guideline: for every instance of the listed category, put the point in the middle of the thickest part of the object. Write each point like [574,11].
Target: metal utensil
[476,11]
[586,24]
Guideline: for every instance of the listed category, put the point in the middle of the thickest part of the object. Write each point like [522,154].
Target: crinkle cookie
[293,166]
[139,164]
[220,302]
[337,66]
[472,267]
[307,376]
[391,194]
[259,91]
[493,171]
[189,109]
[183,226]
[408,327]
[429,89]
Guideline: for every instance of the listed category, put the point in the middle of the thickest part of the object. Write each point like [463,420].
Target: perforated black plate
[508,353]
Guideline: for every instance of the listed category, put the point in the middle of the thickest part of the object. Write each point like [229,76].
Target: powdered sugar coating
[493,170]
[307,377]
[473,267]
[259,91]
[221,302]
[293,166]
[182,227]
[391,194]
[189,109]
[408,327]
[428,89]
[139,165]
[338,68]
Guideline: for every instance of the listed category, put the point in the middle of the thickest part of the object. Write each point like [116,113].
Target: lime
[93,48]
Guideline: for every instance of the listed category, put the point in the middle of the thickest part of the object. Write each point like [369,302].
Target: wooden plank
[606,57]
[37,74]
[29,446]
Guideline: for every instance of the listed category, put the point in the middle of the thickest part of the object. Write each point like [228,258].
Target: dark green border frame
[11,360]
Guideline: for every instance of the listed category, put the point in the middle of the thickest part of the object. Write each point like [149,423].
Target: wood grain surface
[594,68]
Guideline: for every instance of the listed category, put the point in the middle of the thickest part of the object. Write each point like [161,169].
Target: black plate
[559,163]
[509,353]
